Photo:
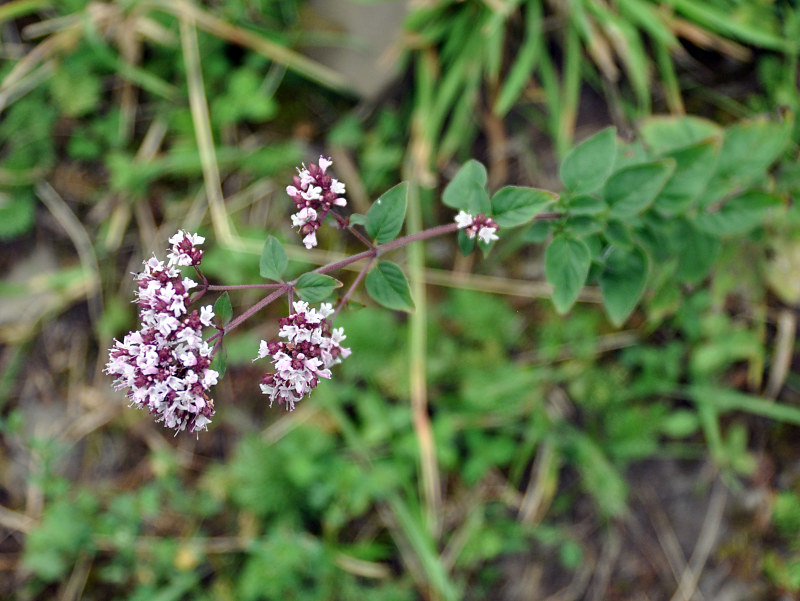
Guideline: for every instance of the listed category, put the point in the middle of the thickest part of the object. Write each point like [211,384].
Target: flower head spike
[165,365]
[314,192]
[309,349]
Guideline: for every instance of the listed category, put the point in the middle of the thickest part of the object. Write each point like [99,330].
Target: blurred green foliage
[289,506]
[325,503]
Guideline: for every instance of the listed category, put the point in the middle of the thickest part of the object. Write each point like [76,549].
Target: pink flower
[184,249]
[165,365]
[482,226]
[314,192]
[310,349]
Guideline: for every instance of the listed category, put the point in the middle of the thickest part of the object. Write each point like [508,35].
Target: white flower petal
[487,234]
[463,219]
[310,241]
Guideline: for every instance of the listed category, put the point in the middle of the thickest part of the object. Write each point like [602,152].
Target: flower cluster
[184,249]
[314,192]
[309,350]
[481,225]
[165,365]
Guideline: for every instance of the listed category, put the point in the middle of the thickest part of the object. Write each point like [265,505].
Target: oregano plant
[630,213]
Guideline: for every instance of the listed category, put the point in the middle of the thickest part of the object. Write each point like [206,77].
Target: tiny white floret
[310,241]
[463,219]
[487,234]
[206,315]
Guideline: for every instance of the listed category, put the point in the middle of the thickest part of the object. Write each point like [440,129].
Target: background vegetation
[482,447]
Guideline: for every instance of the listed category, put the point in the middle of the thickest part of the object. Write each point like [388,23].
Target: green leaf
[586,205]
[358,219]
[315,287]
[748,150]
[467,190]
[680,423]
[515,205]
[387,285]
[696,253]
[566,266]
[465,243]
[223,309]
[386,215]
[739,215]
[631,190]
[75,88]
[663,134]
[622,282]
[618,234]
[587,166]
[273,260]
[17,211]
[694,166]
[630,154]
[666,298]
[220,360]
[583,225]
[537,232]
[244,99]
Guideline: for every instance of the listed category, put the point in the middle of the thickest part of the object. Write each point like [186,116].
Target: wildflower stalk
[371,254]
[166,365]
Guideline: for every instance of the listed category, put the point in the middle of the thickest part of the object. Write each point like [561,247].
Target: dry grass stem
[705,543]
[80,239]
[783,353]
[202,127]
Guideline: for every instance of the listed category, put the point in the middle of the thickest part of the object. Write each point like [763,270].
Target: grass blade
[721,21]
[236,35]
[571,87]
[202,126]
[424,548]
[527,57]
[20,8]
[669,78]
[722,399]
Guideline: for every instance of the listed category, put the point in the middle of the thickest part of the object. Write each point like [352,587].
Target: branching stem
[245,287]
[373,253]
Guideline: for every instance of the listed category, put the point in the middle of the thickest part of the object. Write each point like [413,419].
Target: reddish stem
[381,249]
[234,323]
[344,300]
[245,287]
[346,223]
